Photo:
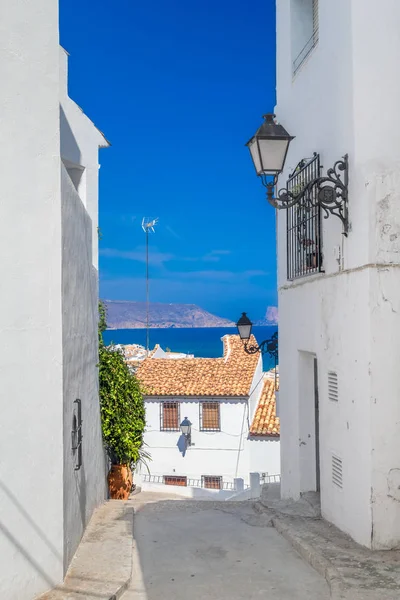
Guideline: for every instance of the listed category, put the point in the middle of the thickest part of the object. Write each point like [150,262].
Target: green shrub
[121,404]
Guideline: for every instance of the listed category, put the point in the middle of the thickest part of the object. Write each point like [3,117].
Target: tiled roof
[230,375]
[265,421]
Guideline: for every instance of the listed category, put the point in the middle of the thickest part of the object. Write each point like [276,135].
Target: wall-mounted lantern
[186,429]
[244,327]
[268,149]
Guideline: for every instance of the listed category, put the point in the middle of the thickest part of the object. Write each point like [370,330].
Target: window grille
[169,416]
[210,416]
[211,482]
[304,251]
[175,480]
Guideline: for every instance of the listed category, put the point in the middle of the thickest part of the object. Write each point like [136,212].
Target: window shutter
[315,17]
[169,416]
[212,482]
[175,480]
[209,416]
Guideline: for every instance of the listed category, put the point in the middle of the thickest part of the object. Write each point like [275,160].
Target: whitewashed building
[52,471]
[230,404]
[338,93]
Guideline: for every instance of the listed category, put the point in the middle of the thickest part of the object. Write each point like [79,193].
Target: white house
[230,403]
[338,93]
[52,471]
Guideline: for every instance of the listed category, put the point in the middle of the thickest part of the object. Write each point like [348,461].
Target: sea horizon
[202,342]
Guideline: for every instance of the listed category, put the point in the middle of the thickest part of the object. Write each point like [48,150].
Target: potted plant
[122,415]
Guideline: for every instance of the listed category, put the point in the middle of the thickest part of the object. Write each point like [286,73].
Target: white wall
[256,388]
[48,322]
[228,453]
[31,486]
[80,142]
[344,99]
[85,488]
[264,455]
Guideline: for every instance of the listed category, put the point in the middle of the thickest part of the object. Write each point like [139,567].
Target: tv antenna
[148,226]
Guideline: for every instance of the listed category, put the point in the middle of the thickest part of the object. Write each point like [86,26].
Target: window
[77,174]
[169,416]
[175,480]
[211,482]
[210,416]
[304,30]
[304,251]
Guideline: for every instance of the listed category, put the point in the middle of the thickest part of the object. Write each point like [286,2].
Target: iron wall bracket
[330,192]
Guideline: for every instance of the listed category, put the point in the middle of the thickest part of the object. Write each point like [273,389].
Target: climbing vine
[121,403]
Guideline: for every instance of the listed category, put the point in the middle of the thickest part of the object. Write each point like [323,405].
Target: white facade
[48,318]
[344,98]
[229,453]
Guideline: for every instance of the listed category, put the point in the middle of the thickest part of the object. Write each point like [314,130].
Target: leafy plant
[121,404]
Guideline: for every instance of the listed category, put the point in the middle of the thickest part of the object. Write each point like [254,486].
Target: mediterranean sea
[203,342]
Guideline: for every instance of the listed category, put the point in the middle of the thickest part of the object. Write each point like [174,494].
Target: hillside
[131,315]
[271,317]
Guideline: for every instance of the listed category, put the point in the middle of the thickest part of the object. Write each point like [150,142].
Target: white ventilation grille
[333,390]
[337,471]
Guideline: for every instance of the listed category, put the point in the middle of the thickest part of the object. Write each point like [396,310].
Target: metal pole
[147,291]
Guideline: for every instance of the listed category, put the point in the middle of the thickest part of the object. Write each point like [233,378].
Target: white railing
[266,478]
[196,483]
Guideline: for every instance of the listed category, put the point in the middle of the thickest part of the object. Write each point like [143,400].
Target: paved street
[214,550]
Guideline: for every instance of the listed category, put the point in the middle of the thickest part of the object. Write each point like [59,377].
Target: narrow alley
[214,550]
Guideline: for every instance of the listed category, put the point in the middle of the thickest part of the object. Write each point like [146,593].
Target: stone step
[101,568]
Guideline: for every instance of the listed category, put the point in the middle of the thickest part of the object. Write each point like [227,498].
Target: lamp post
[268,149]
[244,326]
[186,429]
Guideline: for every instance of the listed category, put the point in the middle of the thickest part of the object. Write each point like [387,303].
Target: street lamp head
[244,326]
[186,427]
[268,147]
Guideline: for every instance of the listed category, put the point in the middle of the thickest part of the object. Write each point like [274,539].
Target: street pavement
[215,551]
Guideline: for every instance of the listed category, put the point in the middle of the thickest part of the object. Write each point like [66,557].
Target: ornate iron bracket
[266,347]
[329,192]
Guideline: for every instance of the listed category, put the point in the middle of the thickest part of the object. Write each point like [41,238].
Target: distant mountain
[132,315]
[271,317]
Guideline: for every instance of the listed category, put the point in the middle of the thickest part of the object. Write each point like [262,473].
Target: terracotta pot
[120,482]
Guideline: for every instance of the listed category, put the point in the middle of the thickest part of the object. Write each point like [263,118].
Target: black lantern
[268,150]
[186,429]
[244,326]
[269,146]
[270,346]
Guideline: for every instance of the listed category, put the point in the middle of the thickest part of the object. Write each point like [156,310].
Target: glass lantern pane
[244,331]
[255,156]
[273,154]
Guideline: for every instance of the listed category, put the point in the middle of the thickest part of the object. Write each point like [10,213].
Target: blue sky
[178,87]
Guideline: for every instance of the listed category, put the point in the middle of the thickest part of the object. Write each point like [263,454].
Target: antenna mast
[147,226]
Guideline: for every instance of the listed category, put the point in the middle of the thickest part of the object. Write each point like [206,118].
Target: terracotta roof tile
[265,421]
[230,375]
